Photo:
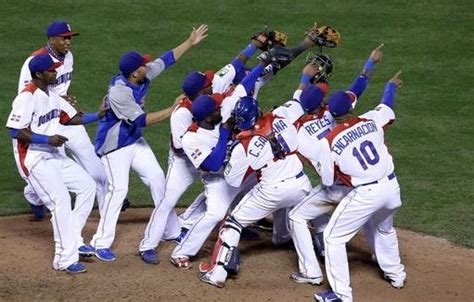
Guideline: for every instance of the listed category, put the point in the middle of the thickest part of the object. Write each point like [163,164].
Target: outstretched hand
[377,54]
[396,79]
[199,34]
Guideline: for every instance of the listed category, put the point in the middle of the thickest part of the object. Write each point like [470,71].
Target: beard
[216,119]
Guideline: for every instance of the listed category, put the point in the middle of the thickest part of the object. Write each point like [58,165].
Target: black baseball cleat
[126,204]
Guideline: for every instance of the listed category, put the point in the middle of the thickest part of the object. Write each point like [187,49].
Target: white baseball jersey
[78,142]
[199,142]
[291,110]
[42,114]
[180,120]
[63,77]
[254,153]
[50,173]
[360,138]
[223,79]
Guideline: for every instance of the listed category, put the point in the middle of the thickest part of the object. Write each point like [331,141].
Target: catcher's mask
[246,112]
[325,67]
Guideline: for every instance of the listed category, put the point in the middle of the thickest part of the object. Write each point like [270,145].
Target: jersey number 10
[363,155]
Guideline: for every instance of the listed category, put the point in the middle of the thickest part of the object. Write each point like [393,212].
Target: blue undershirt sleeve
[359,85]
[249,81]
[249,51]
[215,160]
[388,97]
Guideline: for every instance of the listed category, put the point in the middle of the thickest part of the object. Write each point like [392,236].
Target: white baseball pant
[219,196]
[376,202]
[180,176]
[260,202]
[141,159]
[52,178]
[320,201]
[82,151]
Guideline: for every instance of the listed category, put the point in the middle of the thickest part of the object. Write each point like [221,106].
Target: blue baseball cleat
[149,256]
[327,296]
[86,251]
[105,255]
[76,268]
[38,211]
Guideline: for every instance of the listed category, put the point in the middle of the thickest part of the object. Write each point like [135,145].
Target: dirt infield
[437,270]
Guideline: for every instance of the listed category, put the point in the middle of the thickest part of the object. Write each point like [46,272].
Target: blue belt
[390,177]
[299,174]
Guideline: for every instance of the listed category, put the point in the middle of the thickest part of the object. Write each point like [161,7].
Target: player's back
[359,151]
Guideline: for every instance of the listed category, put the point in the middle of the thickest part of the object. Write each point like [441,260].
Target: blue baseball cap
[131,61]
[339,103]
[203,106]
[60,29]
[41,63]
[195,81]
[311,98]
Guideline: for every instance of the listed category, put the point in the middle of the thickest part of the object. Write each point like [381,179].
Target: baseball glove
[324,64]
[324,36]
[270,38]
[277,56]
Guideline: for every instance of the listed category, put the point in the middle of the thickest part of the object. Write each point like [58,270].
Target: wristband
[305,78]
[39,138]
[249,51]
[369,65]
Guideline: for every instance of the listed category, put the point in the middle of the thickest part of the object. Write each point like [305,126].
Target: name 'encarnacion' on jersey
[352,135]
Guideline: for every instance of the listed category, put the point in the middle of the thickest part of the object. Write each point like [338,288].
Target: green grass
[430,41]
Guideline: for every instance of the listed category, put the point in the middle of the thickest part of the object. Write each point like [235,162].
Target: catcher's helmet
[246,112]
[325,67]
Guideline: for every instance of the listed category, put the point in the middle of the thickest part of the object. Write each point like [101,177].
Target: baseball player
[181,172]
[354,152]
[267,145]
[119,141]
[205,145]
[312,128]
[34,127]
[60,35]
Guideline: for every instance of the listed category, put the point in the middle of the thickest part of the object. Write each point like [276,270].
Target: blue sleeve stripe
[141,121]
[168,58]
[89,117]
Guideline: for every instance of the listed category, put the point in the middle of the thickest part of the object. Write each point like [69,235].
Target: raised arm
[196,36]
[388,97]
[362,80]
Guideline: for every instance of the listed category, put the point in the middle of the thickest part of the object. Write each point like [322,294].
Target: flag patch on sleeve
[196,153]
